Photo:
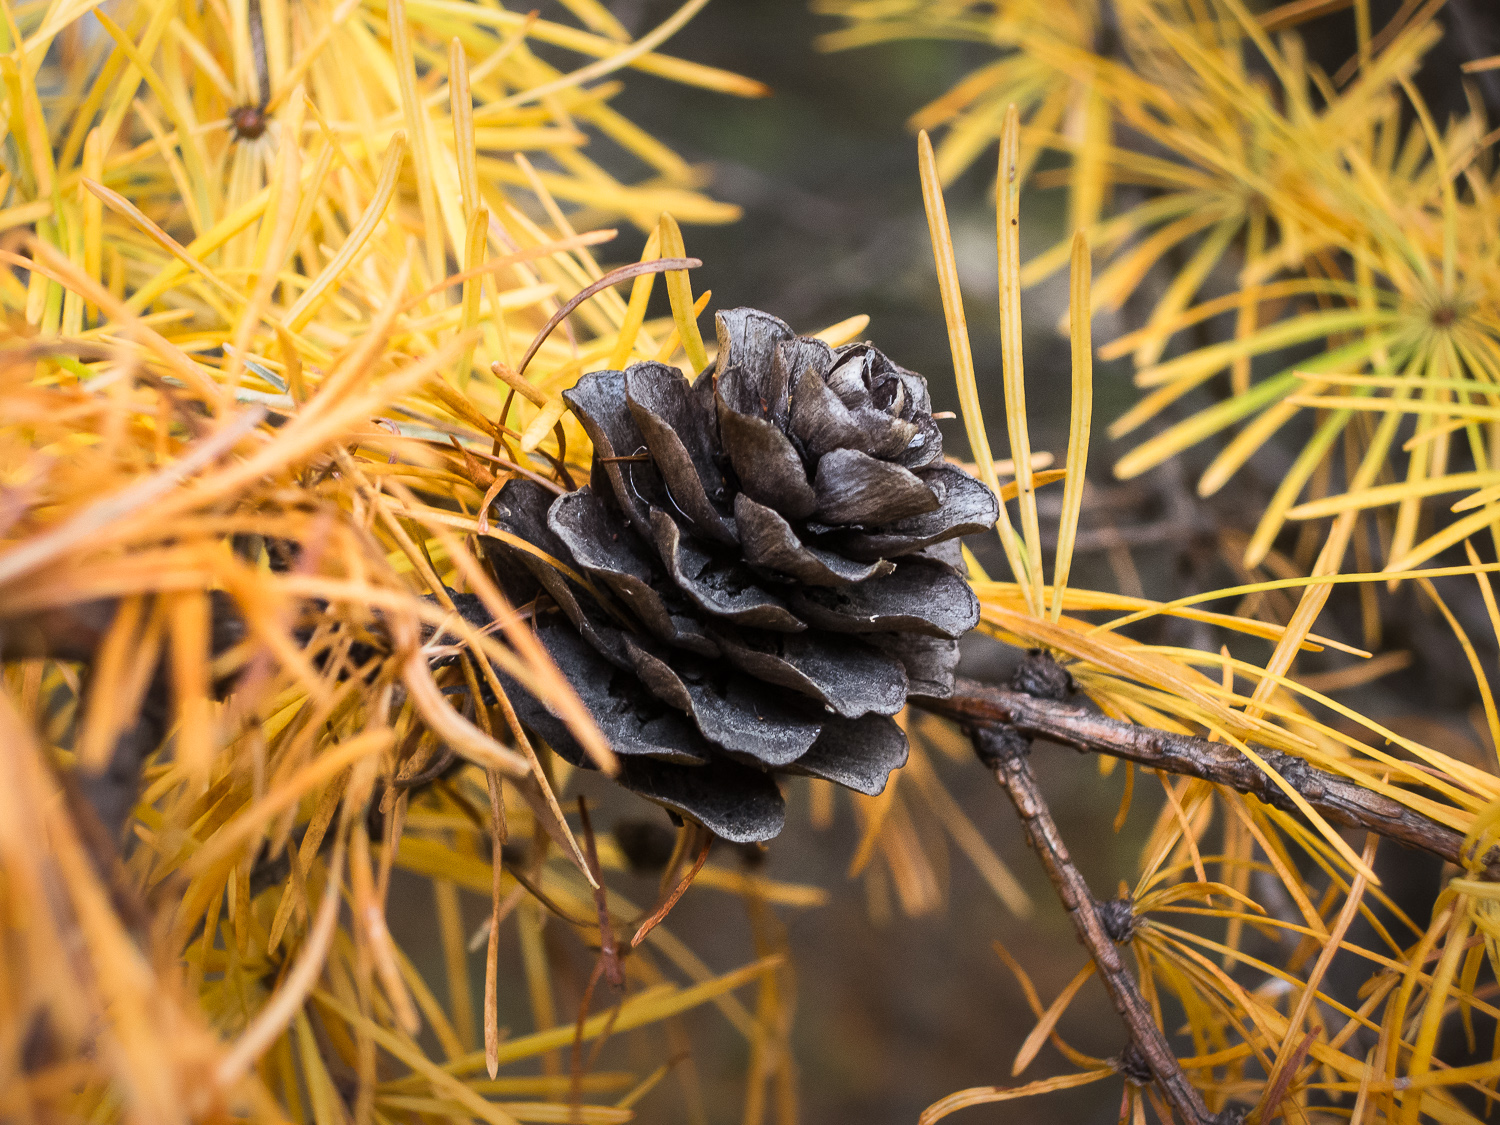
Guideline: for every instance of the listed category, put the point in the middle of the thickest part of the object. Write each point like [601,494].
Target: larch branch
[1341,800]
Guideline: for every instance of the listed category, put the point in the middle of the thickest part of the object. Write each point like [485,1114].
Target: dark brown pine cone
[764,566]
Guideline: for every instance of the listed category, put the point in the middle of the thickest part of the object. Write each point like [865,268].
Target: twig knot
[1117,916]
[1133,1065]
[1297,772]
[999,745]
[1042,676]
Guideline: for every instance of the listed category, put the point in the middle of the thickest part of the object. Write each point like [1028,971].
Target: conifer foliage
[305,365]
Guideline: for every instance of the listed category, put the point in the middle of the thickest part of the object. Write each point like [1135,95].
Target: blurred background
[898,1003]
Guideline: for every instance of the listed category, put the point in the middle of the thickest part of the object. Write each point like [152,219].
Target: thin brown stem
[613,277]
[1008,755]
[609,947]
[1341,800]
[701,834]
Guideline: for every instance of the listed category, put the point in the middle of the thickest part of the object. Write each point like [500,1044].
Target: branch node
[1040,675]
[1117,916]
[999,745]
[1133,1066]
[1298,772]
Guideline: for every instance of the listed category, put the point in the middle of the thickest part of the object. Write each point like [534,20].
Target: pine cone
[764,565]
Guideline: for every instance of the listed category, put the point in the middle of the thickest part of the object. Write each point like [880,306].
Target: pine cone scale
[854,488]
[968,507]
[772,544]
[751,339]
[824,424]
[598,402]
[730,709]
[723,589]
[607,549]
[842,673]
[917,597]
[675,433]
[767,464]
[735,802]
[929,661]
[633,720]
[858,754]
